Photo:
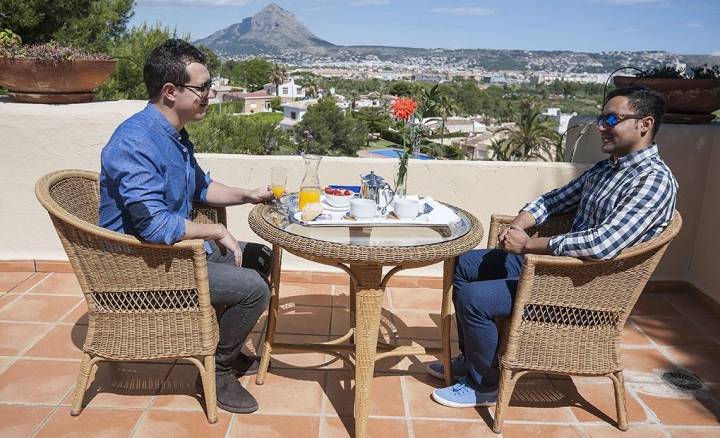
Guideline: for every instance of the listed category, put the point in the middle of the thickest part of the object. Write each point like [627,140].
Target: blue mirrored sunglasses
[612,120]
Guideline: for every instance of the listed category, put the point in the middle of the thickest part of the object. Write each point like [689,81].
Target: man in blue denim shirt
[149,179]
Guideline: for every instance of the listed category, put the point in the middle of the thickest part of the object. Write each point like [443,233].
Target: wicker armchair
[569,313]
[144,301]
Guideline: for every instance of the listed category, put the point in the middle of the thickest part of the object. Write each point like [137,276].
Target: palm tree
[531,137]
[445,107]
[428,101]
[278,75]
[311,88]
[353,96]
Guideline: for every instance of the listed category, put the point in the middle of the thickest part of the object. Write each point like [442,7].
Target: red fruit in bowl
[347,192]
[328,190]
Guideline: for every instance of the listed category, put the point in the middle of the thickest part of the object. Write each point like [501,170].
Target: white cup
[406,208]
[363,208]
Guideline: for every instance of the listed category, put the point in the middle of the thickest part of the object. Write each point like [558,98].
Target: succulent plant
[668,71]
[11,47]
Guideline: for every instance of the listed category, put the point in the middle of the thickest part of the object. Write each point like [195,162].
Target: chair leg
[619,384]
[81,384]
[446,319]
[507,385]
[272,316]
[208,381]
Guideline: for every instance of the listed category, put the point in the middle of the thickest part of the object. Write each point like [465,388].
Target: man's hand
[513,239]
[261,194]
[227,242]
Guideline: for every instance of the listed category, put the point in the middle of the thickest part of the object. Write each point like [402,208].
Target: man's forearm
[537,245]
[523,220]
[220,195]
[203,231]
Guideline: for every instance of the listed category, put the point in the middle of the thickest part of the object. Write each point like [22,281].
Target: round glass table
[362,252]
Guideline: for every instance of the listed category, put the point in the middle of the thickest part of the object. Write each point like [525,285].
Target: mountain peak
[271,30]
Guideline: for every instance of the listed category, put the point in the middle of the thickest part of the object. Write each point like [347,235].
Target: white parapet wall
[36,139]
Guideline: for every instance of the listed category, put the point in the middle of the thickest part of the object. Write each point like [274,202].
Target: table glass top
[395,235]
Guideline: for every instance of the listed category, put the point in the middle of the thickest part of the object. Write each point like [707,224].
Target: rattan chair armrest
[497,222]
[199,215]
[125,239]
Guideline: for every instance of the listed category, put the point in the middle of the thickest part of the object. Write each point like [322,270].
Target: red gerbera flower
[403,107]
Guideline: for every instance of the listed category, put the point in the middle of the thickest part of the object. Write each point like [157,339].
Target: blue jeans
[243,291]
[483,289]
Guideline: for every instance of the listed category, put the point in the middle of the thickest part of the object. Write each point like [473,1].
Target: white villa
[289,91]
[293,112]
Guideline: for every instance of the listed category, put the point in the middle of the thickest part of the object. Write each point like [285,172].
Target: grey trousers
[243,291]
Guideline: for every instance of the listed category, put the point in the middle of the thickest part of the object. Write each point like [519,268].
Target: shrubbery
[238,134]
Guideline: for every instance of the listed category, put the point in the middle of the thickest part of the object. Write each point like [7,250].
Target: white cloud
[369,2]
[479,11]
[716,53]
[693,25]
[629,2]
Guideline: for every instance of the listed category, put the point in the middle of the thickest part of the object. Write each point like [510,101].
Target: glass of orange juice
[278,180]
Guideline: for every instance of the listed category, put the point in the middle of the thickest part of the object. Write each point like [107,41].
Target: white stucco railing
[36,139]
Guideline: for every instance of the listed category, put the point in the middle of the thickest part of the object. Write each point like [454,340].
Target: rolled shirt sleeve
[644,204]
[141,189]
[557,201]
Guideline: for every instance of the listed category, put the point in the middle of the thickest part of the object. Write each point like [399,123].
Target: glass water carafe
[310,186]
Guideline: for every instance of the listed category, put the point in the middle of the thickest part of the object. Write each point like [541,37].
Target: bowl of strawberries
[338,197]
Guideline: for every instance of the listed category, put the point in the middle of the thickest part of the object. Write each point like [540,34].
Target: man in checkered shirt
[626,199]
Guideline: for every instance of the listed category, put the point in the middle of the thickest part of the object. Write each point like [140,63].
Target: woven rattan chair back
[569,314]
[144,301]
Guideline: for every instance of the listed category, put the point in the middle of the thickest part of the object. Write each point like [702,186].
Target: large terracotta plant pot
[33,81]
[687,100]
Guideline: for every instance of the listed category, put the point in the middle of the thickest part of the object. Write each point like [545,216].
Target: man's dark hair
[167,63]
[644,101]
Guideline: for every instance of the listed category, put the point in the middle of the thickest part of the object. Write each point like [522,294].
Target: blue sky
[679,26]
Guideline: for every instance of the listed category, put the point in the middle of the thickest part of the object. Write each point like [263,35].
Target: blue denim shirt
[149,179]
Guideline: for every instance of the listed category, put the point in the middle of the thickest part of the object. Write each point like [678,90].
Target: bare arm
[220,195]
[217,232]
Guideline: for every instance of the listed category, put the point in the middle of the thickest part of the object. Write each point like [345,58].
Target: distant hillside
[276,33]
[273,29]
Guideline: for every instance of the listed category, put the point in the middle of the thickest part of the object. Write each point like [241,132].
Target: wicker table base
[360,345]
[364,264]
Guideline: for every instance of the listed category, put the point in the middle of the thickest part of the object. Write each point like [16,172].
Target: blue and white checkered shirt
[619,203]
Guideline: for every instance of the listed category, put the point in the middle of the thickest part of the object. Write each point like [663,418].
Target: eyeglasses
[612,120]
[204,89]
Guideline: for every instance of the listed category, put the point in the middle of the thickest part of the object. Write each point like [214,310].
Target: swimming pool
[395,153]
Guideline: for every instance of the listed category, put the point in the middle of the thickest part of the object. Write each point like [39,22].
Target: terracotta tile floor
[43,323]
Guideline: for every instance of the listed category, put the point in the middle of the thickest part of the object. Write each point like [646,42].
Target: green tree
[212,61]
[132,50]
[376,118]
[252,74]
[278,76]
[229,134]
[89,24]
[326,130]
[531,137]
[402,89]
[276,104]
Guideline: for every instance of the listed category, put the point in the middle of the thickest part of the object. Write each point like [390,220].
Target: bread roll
[311,212]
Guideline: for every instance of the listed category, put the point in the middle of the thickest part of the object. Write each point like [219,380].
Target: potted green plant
[691,94]
[49,72]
